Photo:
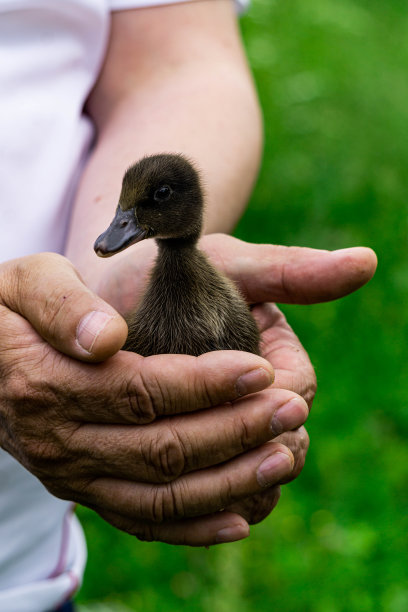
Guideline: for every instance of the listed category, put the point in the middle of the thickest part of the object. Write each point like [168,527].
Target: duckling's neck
[187,240]
[174,244]
[177,263]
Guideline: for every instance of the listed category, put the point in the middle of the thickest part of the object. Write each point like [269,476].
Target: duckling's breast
[190,308]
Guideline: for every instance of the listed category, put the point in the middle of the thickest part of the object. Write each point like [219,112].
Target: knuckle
[303,382]
[205,388]
[301,412]
[159,505]
[53,306]
[257,507]
[207,394]
[28,389]
[298,442]
[243,433]
[41,455]
[140,401]
[299,464]
[22,277]
[45,448]
[304,439]
[45,460]
[167,503]
[227,492]
[165,454]
[21,397]
[16,390]
[311,386]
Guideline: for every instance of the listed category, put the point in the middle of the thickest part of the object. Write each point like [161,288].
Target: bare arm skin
[175,79]
[154,455]
[88,429]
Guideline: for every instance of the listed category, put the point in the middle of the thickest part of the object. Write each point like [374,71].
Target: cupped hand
[264,274]
[290,275]
[156,453]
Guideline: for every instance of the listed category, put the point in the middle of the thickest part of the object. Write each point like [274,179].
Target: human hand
[265,273]
[291,275]
[155,454]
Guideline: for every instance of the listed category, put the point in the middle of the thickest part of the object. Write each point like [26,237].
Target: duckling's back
[190,308]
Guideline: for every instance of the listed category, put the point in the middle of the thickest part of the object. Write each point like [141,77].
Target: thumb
[291,275]
[47,291]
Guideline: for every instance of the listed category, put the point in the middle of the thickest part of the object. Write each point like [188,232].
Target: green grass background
[333,81]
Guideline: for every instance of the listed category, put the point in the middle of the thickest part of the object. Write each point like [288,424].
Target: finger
[216,528]
[292,275]
[298,442]
[171,447]
[280,346]
[195,494]
[256,508]
[174,384]
[164,385]
[126,388]
[46,290]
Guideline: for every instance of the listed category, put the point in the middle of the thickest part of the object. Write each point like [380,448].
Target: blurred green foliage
[333,81]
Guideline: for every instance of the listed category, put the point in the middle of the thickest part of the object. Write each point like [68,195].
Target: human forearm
[197,99]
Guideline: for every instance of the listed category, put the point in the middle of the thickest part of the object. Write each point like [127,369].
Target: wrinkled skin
[264,273]
[157,454]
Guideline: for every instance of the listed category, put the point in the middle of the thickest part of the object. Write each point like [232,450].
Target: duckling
[189,307]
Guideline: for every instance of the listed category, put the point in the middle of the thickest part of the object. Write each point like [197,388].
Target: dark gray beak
[122,232]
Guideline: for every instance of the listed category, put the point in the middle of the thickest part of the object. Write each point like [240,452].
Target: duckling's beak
[122,232]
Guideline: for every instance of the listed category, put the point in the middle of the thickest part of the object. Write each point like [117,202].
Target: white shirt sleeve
[117,5]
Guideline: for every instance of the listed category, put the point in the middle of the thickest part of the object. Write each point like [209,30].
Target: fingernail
[232,534]
[89,328]
[253,381]
[290,415]
[273,469]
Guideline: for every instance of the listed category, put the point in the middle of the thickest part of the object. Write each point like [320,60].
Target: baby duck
[189,307]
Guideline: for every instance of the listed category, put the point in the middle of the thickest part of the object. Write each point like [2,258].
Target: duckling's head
[161,197]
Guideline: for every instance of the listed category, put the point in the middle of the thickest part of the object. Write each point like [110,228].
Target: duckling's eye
[163,193]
